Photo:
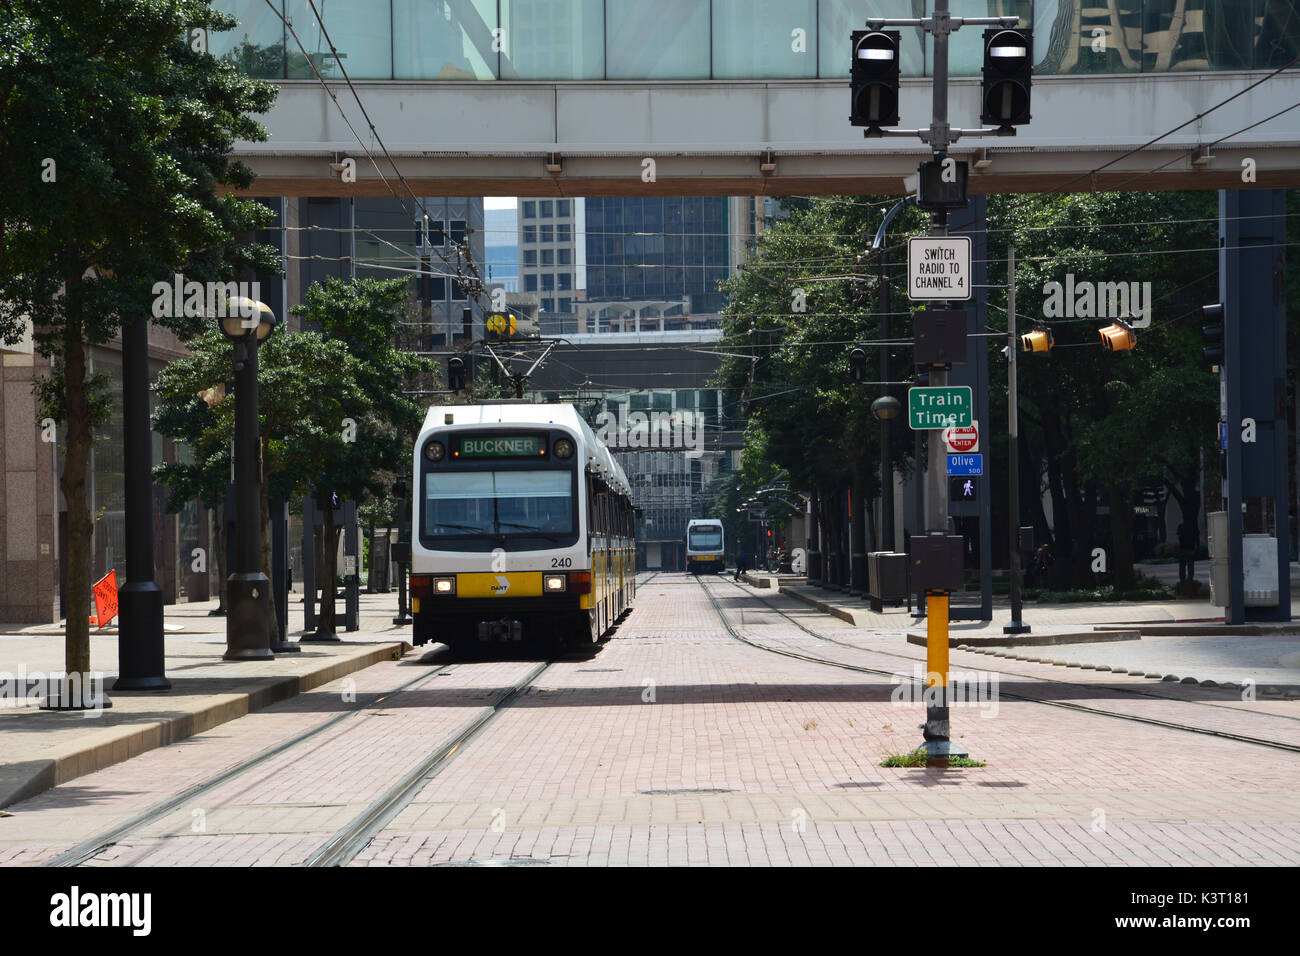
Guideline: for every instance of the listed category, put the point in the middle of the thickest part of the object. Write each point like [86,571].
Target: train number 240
[561,562]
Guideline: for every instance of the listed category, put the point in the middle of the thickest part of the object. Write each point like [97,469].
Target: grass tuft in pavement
[917,759]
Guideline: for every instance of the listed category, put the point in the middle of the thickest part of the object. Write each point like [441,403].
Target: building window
[548,282]
[548,305]
[564,257]
[530,283]
[458,227]
[530,233]
[439,286]
[562,233]
[548,257]
[530,257]
[458,291]
[437,233]
[566,305]
[561,208]
[548,233]
[530,210]
[546,209]
[565,280]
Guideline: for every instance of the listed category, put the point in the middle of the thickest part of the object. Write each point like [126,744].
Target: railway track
[343,845]
[1067,705]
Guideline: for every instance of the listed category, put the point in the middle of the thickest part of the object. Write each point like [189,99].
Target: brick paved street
[675,743]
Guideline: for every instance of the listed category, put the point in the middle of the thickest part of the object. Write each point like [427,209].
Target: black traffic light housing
[1212,334]
[874,79]
[456,373]
[963,488]
[858,364]
[1008,73]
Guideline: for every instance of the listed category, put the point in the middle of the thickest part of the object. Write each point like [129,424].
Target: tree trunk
[1120,499]
[325,623]
[73,484]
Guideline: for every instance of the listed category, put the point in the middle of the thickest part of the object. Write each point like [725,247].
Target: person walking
[741,565]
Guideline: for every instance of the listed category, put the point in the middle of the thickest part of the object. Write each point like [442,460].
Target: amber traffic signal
[1117,338]
[1040,340]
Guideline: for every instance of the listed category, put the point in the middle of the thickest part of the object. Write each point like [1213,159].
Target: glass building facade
[556,40]
[664,248]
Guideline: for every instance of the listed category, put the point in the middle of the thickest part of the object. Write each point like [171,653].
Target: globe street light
[248,618]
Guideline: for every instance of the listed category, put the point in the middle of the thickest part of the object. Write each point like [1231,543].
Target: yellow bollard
[936,638]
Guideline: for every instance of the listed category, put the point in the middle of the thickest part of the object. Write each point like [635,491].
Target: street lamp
[248,618]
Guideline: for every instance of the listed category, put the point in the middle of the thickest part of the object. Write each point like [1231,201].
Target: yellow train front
[523,532]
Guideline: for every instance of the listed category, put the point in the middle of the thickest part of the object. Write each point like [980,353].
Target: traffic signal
[1212,334]
[874,79]
[963,489]
[858,364]
[456,373]
[1008,69]
[1039,340]
[1118,338]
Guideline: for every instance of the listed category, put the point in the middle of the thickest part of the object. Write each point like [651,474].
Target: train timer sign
[942,406]
[938,267]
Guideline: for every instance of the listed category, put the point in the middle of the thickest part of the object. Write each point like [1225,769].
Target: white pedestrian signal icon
[963,489]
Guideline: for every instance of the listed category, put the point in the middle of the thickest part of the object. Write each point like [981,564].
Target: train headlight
[554,582]
[444,586]
[564,448]
[435,451]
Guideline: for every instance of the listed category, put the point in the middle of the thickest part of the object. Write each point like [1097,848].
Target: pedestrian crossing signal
[963,489]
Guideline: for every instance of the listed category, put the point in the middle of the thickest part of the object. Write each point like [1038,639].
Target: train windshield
[498,503]
[705,538]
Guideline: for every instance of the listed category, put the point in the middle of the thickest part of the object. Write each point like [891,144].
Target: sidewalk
[1185,641]
[39,749]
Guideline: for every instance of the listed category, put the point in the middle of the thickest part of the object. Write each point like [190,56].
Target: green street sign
[943,406]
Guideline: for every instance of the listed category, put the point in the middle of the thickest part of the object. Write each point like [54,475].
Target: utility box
[936,562]
[1259,564]
[886,578]
[940,337]
[1027,540]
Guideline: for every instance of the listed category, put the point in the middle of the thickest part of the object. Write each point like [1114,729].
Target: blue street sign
[961,465]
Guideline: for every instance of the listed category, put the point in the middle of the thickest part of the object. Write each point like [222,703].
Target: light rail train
[705,547]
[523,529]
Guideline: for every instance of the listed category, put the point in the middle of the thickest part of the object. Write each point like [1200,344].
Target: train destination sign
[500,446]
[938,267]
[941,406]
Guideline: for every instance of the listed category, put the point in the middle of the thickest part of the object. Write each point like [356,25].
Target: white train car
[522,528]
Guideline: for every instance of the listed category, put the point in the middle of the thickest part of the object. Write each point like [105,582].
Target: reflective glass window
[564,257]
[439,286]
[530,283]
[362,35]
[458,230]
[256,45]
[1100,38]
[838,18]
[1277,33]
[530,257]
[545,210]
[553,39]
[665,40]
[563,232]
[566,305]
[548,305]
[530,233]
[548,233]
[1210,35]
[441,40]
[548,282]
[530,209]
[565,280]
[437,232]
[548,257]
[561,207]
[764,38]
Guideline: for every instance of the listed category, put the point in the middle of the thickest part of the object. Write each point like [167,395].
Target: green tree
[114,145]
[329,458]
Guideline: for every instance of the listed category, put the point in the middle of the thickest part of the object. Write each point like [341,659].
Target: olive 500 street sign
[941,406]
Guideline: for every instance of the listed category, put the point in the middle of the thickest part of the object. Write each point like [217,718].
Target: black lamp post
[248,617]
[140,652]
[885,409]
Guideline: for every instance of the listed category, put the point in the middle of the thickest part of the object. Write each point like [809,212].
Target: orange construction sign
[105,599]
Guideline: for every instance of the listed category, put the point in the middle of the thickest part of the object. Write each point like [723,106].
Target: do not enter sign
[962,440]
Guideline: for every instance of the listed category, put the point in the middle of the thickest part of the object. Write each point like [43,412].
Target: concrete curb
[1035,640]
[1223,630]
[844,614]
[18,781]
